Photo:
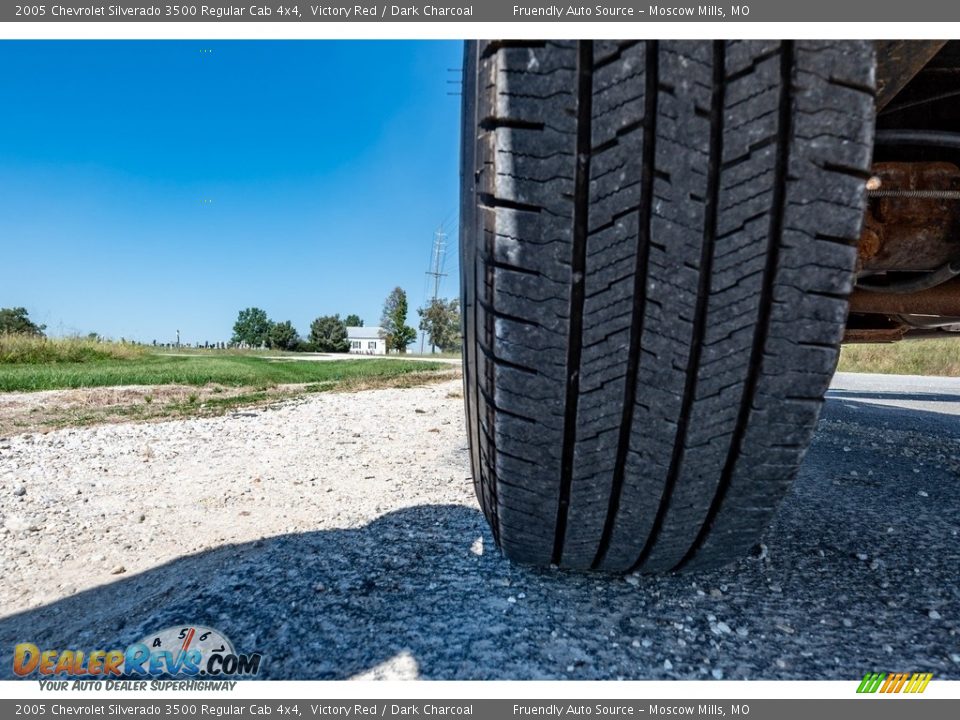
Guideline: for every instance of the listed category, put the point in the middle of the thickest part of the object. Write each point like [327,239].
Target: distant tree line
[328,333]
[439,319]
[254,328]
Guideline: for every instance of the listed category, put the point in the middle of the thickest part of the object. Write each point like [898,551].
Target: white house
[366,341]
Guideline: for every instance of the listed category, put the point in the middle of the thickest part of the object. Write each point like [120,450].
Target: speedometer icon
[181,639]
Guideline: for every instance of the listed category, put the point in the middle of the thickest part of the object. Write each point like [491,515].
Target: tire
[657,244]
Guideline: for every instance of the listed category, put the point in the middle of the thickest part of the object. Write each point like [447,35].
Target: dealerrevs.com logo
[191,651]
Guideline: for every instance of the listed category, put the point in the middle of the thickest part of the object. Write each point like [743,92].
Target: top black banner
[485,11]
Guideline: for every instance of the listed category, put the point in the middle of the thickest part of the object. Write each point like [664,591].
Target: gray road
[858,573]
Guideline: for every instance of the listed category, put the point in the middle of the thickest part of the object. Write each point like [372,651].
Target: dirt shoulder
[46,410]
[142,494]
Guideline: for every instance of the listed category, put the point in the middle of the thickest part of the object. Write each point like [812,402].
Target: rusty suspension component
[942,300]
[913,219]
[909,252]
[911,230]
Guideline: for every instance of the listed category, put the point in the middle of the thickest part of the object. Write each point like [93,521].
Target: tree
[394,321]
[15,320]
[353,321]
[252,327]
[283,336]
[328,333]
[441,321]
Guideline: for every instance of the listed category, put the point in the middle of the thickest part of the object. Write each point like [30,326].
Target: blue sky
[147,187]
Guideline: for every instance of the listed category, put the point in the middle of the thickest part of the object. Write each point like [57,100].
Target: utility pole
[438,259]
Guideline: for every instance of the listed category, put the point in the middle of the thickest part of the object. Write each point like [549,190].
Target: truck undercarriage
[908,269]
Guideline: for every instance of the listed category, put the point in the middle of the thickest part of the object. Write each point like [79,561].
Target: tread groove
[851,85]
[770,270]
[491,201]
[639,297]
[703,297]
[492,123]
[581,227]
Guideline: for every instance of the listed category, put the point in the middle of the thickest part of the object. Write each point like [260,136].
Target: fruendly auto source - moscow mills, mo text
[614,11]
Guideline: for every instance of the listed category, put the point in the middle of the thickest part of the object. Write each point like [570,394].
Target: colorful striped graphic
[894,682]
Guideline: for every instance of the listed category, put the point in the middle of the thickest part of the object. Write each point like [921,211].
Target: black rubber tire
[657,244]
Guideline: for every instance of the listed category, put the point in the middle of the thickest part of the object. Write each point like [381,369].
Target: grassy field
[110,382]
[28,350]
[444,355]
[908,357]
[227,370]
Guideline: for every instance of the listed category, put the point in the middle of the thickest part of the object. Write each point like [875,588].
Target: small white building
[366,341]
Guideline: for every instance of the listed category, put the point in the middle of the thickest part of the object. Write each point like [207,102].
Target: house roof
[364,333]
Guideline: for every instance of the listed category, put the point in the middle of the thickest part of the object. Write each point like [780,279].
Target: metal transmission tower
[438,260]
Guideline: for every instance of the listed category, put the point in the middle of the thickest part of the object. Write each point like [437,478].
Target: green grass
[28,349]
[229,370]
[907,357]
[444,355]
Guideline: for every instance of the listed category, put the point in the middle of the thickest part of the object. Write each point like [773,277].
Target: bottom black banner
[872,708]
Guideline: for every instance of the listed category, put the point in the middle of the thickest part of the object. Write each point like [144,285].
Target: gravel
[339,535]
